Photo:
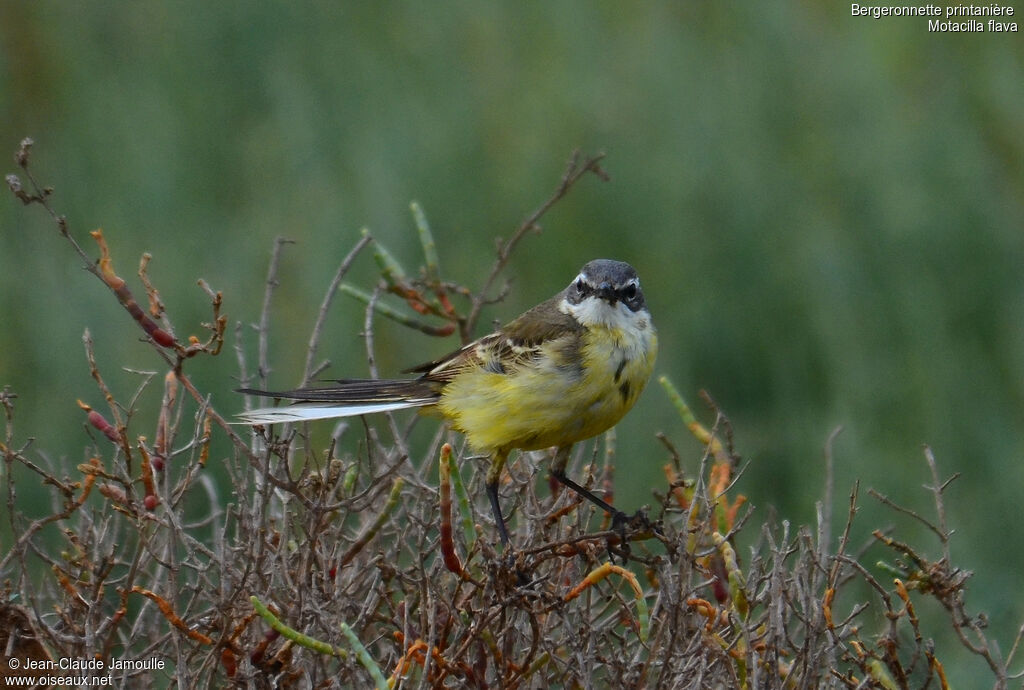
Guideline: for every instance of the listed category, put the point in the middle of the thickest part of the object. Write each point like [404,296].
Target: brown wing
[518,341]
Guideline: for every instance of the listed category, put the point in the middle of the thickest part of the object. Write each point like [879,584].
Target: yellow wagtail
[564,371]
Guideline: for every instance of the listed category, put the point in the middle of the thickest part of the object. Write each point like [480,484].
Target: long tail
[347,399]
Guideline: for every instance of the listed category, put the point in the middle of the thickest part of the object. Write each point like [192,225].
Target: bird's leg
[558,471]
[493,476]
[619,518]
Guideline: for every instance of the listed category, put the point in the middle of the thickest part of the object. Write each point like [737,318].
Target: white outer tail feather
[304,412]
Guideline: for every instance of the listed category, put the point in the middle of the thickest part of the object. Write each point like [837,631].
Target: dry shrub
[353,559]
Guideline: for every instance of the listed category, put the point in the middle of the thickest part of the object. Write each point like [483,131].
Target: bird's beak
[606,292]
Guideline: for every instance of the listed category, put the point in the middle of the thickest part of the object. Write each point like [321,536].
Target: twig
[825,537]
[937,490]
[578,166]
[40,195]
[263,363]
[882,498]
[325,305]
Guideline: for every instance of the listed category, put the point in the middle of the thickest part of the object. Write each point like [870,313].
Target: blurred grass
[827,211]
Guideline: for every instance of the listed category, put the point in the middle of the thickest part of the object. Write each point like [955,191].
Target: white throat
[594,311]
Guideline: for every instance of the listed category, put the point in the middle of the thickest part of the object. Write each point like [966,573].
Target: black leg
[493,475]
[492,494]
[558,472]
[619,518]
[589,495]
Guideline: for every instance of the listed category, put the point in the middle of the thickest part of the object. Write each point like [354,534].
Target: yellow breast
[577,387]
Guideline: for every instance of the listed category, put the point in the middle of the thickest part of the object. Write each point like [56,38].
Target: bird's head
[605,292]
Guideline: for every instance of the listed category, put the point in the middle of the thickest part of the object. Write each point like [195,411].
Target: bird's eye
[580,285]
[630,291]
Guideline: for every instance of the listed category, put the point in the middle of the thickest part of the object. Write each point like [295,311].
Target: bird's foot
[638,525]
[512,570]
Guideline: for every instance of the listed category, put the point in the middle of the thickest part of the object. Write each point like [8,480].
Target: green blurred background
[827,212]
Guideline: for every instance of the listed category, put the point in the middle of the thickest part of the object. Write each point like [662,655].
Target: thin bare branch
[578,166]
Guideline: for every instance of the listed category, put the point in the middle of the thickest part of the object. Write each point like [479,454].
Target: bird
[564,371]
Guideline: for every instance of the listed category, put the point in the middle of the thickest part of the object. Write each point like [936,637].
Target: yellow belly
[552,400]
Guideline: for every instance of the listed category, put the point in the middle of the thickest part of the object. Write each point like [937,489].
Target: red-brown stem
[125,297]
[451,559]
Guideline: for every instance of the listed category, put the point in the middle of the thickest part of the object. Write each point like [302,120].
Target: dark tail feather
[358,391]
[348,398]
